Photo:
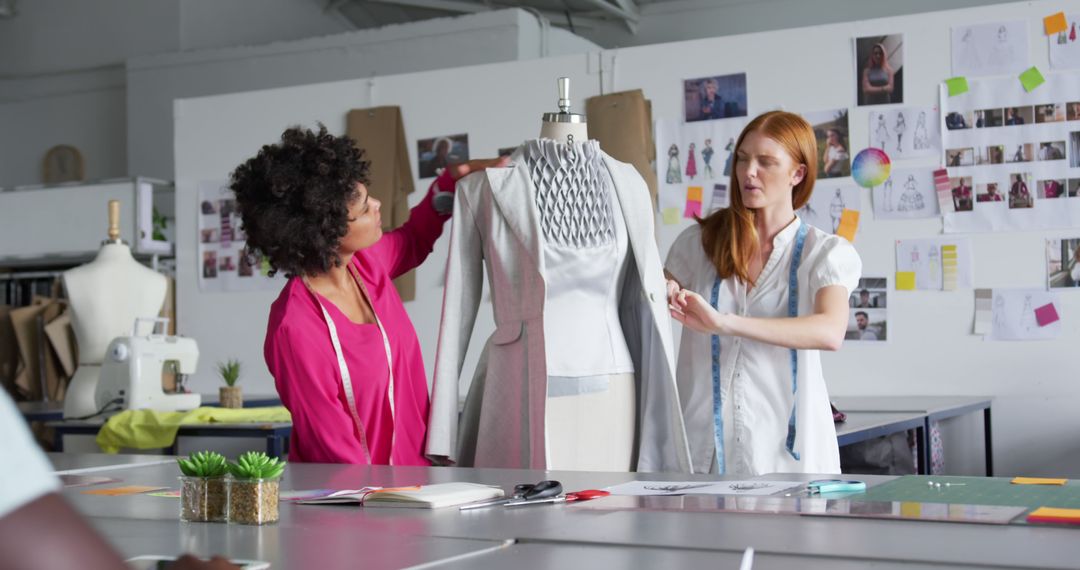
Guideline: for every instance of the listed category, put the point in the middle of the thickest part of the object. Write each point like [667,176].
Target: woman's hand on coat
[463,169]
[695,313]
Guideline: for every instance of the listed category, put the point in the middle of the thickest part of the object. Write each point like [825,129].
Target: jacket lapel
[514,195]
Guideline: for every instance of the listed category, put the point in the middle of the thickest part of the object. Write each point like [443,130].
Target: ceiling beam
[456,6]
[625,9]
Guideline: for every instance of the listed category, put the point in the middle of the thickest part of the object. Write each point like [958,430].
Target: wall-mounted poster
[879,69]
[719,97]
[435,154]
[225,264]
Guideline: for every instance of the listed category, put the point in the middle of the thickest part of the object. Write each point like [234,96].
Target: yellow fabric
[150,429]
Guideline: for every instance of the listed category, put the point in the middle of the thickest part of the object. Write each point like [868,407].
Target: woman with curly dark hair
[344,355]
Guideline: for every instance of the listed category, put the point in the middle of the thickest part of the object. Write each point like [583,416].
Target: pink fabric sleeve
[404,248]
[308,383]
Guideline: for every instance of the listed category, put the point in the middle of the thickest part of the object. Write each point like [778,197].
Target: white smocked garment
[755,376]
[585,255]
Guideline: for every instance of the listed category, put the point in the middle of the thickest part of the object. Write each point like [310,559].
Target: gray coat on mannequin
[496,226]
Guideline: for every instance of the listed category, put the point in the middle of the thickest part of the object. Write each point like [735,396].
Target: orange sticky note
[849,222]
[905,280]
[1055,23]
[1054,515]
[693,194]
[1037,481]
[129,490]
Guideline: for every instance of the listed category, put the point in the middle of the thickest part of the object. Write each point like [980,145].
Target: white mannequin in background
[106,297]
[591,409]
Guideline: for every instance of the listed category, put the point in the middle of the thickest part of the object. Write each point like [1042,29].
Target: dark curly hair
[293,198]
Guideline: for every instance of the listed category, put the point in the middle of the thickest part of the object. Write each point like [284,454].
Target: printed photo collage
[1021,189]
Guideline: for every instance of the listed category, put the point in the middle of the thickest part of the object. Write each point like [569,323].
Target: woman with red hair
[775,294]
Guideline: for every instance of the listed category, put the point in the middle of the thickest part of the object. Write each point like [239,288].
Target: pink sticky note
[1046,314]
[693,208]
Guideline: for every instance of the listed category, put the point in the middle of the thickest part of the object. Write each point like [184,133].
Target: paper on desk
[118,491]
[84,480]
[640,488]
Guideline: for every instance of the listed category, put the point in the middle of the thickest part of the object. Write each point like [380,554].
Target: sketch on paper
[640,488]
[907,193]
[827,204]
[1014,315]
[990,49]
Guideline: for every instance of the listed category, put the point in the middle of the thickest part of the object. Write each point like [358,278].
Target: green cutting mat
[975,491]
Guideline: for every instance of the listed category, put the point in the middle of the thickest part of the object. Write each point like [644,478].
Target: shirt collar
[786,235]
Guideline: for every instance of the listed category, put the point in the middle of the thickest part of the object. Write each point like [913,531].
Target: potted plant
[229,394]
[254,488]
[203,490]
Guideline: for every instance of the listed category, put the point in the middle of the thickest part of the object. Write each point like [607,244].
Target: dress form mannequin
[106,297]
[590,418]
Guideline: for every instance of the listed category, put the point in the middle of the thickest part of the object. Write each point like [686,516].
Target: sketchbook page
[434,496]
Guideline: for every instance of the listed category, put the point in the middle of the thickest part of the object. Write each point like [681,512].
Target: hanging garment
[497,226]
[380,133]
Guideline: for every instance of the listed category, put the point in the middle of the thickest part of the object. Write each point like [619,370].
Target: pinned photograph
[227,264]
[208,207]
[1019,191]
[989,118]
[991,155]
[955,120]
[435,154]
[1053,150]
[1074,149]
[1074,187]
[1050,113]
[989,192]
[1021,153]
[1073,111]
[1019,116]
[718,97]
[963,195]
[1063,262]
[1051,189]
[209,266]
[867,320]
[879,64]
[831,132]
[959,157]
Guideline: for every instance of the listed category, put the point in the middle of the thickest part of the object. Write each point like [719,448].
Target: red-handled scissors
[567,498]
[586,495]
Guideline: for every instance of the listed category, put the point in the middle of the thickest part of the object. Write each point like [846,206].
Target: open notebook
[419,497]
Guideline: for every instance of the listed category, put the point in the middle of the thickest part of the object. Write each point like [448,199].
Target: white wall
[155,81]
[930,349]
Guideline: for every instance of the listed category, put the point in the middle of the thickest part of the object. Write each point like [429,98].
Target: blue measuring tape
[793,311]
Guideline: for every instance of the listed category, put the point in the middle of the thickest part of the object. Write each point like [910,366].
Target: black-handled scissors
[523,492]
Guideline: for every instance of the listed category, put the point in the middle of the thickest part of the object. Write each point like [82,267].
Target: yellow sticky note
[849,223]
[1037,481]
[956,85]
[1031,78]
[671,216]
[905,280]
[693,194]
[1055,23]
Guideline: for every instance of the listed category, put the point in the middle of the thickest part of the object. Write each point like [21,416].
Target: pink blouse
[301,357]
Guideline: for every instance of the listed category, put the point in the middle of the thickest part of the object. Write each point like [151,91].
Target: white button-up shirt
[755,377]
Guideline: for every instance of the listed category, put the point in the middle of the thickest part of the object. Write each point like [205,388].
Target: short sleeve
[684,256]
[837,264]
[25,472]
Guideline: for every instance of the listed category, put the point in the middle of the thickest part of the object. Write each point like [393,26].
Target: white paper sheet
[222,265]
[1041,146]
[1014,315]
[641,488]
[1065,46]
[713,142]
[908,193]
[906,132]
[990,49]
[924,258]
[828,203]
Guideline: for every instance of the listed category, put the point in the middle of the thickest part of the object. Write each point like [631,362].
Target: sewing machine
[131,373]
